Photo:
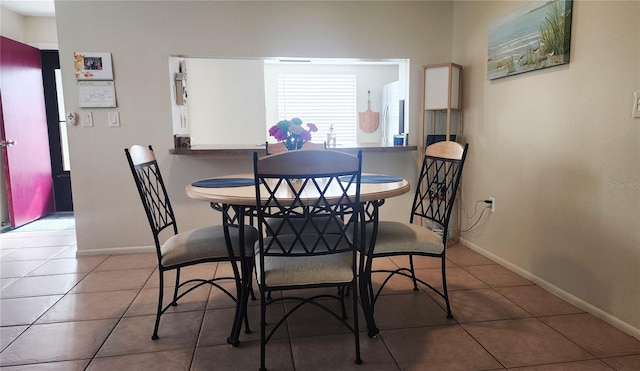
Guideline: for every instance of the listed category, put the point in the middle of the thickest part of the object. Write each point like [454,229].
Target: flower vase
[292,133]
[294,143]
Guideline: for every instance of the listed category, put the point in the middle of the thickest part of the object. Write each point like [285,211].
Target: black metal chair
[432,206]
[306,194]
[179,250]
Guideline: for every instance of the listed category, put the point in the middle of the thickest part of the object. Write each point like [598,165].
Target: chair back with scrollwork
[438,183]
[322,191]
[151,188]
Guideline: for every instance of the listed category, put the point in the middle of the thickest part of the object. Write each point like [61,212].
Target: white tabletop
[246,195]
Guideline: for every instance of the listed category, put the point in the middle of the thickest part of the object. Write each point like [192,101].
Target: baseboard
[589,308]
[117,251]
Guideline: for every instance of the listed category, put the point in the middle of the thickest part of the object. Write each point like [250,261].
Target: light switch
[636,105]
[183,121]
[114,119]
[86,119]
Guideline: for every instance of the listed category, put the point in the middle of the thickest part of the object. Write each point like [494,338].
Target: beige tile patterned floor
[61,312]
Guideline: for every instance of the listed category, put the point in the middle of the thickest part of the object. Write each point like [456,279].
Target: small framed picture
[93,66]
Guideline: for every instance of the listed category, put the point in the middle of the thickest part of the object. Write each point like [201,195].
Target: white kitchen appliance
[392,112]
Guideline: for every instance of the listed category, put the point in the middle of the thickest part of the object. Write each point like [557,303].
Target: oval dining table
[236,194]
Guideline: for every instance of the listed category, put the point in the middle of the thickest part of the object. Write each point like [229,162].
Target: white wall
[559,151]
[226,101]
[12,24]
[108,212]
[39,32]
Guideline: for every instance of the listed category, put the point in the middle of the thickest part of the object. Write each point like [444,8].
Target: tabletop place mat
[224,182]
[374,179]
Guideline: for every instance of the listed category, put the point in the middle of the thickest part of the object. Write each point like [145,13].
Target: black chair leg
[174,301]
[263,325]
[445,292]
[356,327]
[341,291]
[247,285]
[367,299]
[250,278]
[243,289]
[413,274]
[234,338]
[160,298]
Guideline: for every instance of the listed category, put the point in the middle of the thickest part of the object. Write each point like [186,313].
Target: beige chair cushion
[305,270]
[204,243]
[397,237]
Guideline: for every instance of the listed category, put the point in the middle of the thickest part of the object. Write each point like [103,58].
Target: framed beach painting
[534,36]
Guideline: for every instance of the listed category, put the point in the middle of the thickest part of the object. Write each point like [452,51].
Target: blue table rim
[374,178]
[243,182]
[224,182]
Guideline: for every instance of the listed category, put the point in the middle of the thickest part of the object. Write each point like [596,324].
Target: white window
[321,98]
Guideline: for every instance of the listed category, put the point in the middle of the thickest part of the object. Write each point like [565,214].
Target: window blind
[321,98]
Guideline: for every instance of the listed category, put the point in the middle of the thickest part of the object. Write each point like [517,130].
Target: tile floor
[62,312]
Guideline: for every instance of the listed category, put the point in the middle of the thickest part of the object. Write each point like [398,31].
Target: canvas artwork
[535,36]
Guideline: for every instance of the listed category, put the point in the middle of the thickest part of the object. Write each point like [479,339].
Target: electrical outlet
[493,204]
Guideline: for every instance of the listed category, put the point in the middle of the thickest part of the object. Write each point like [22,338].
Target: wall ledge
[243,150]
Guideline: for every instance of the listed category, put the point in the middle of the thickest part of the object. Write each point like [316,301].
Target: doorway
[34,153]
[23,130]
[57,128]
